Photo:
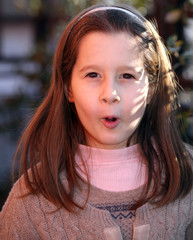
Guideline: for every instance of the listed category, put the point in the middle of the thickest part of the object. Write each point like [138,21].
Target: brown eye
[92,75]
[127,76]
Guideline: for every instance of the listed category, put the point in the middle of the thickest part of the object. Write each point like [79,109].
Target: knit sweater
[34,217]
[106,216]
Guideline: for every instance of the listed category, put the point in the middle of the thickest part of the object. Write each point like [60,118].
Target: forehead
[124,37]
[104,46]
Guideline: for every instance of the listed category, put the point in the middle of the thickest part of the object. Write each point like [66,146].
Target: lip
[110,124]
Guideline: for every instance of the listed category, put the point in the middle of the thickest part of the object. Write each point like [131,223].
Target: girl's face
[109,87]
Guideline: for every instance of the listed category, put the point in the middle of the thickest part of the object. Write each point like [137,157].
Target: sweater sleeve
[15,223]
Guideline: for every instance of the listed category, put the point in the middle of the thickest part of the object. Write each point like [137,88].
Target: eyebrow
[122,68]
[86,67]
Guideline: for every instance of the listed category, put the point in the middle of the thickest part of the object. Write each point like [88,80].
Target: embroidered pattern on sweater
[122,215]
[118,211]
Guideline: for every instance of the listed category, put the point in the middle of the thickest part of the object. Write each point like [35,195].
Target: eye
[92,75]
[127,76]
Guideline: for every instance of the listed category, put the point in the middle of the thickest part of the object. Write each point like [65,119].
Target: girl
[105,158]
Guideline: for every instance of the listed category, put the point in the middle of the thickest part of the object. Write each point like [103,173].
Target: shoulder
[189,196]
[189,148]
[23,213]
[13,213]
[18,189]
[21,196]
[189,154]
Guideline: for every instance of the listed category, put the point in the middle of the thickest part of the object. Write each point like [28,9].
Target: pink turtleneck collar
[113,170]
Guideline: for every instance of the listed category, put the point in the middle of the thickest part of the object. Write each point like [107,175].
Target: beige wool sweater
[34,217]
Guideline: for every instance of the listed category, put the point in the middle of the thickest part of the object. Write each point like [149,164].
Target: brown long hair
[53,135]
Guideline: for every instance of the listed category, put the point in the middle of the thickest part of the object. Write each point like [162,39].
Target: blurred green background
[29,32]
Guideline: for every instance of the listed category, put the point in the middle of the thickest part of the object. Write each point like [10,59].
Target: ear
[69,94]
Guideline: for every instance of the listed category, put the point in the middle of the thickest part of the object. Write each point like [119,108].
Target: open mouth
[110,122]
[110,119]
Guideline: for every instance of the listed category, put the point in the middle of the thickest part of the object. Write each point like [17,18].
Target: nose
[109,95]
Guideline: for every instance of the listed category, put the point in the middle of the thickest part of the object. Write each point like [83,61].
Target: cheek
[85,97]
[137,101]
[84,106]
